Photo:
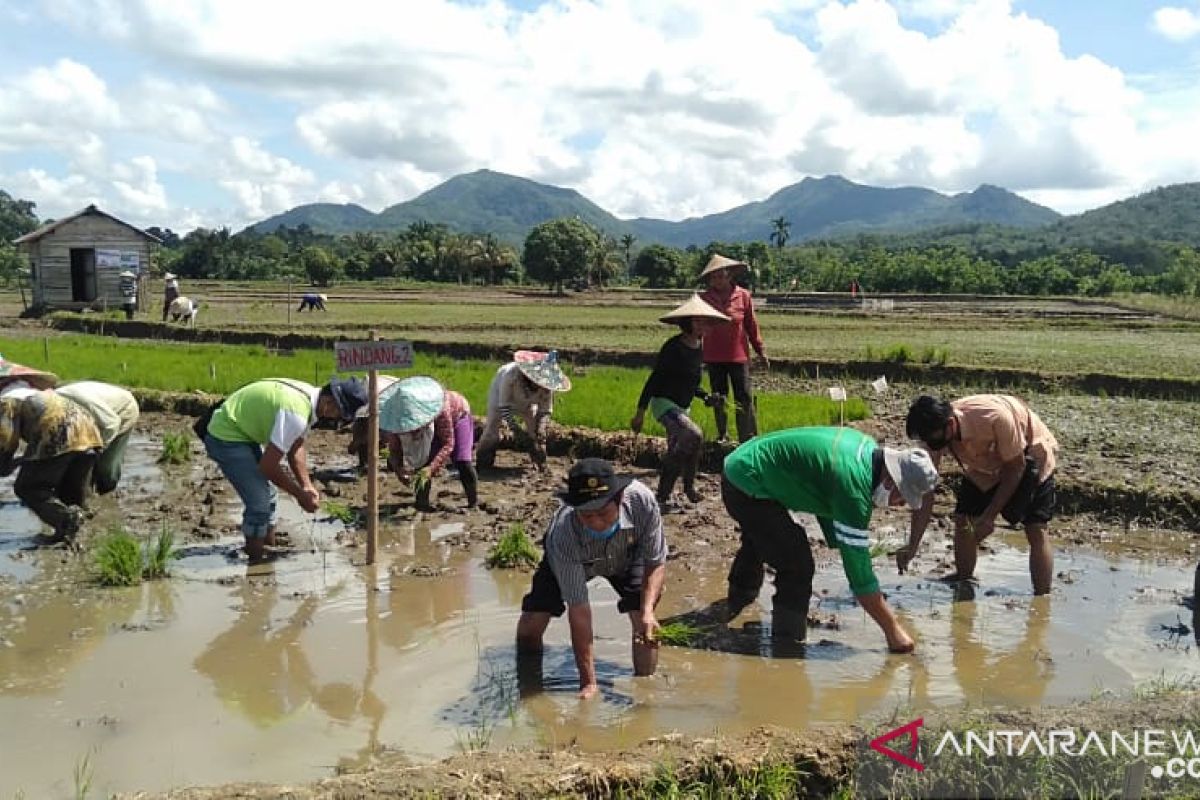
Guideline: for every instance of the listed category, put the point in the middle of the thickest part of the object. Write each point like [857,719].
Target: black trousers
[770,536]
[720,378]
[52,487]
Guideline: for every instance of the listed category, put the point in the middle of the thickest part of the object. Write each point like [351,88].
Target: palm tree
[627,242]
[780,232]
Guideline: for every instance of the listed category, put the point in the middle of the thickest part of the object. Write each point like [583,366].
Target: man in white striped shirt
[608,527]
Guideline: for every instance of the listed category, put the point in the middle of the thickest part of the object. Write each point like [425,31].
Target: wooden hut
[76,262]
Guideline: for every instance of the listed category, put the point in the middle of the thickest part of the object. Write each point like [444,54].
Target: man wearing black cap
[608,527]
[260,424]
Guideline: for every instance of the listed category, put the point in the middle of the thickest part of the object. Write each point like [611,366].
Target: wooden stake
[372,461]
[46,349]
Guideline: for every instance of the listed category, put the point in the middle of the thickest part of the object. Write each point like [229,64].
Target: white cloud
[1177,24]
[669,109]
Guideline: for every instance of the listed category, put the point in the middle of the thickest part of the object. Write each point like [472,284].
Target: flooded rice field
[293,669]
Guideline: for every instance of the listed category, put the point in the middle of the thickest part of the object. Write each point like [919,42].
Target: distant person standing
[128,288]
[170,292]
[727,347]
[854,289]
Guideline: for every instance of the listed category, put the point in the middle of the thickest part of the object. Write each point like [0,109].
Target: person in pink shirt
[426,427]
[727,347]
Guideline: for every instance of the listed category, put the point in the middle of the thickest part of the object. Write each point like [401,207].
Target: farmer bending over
[61,444]
[523,387]
[252,432]
[312,302]
[115,412]
[607,527]
[839,475]
[1007,455]
[425,427]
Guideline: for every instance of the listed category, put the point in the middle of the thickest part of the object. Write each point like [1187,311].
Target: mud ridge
[1080,383]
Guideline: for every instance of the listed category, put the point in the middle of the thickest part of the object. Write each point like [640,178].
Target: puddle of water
[286,671]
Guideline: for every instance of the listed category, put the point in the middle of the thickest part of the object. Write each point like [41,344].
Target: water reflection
[988,671]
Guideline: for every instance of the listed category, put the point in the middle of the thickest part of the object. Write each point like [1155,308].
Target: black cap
[349,394]
[592,483]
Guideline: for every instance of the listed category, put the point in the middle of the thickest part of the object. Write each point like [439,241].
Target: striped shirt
[575,556]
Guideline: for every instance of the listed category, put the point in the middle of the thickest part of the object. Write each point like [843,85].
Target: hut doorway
[83,274]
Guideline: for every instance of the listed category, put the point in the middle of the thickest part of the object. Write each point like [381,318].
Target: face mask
[882,494]
[607,533]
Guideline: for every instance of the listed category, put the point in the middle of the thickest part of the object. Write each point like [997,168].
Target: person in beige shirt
[1007,455]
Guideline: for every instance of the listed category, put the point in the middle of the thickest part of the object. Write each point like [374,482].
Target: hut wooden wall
[53,261]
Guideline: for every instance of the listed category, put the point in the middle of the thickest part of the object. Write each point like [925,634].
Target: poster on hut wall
[117,259]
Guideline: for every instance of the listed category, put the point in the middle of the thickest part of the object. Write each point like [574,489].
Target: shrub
[515,549]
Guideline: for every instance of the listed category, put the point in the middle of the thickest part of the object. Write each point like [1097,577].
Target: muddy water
[286,671]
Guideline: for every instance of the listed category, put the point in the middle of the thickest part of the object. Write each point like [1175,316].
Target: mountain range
[815,208]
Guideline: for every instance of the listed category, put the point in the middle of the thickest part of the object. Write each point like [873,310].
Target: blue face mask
[607,533]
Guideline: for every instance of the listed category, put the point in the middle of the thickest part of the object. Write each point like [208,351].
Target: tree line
[568,253]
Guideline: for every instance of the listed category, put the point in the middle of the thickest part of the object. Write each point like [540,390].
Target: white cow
[184,309]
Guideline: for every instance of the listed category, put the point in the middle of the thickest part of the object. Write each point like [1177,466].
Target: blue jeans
[239,464]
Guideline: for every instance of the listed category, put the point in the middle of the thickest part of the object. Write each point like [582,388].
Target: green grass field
[602,397]
[1015,339]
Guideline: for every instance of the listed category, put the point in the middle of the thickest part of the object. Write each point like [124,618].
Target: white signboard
[837,394]
[361,356]
[116,259]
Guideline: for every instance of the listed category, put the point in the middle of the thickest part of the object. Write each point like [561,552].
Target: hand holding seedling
[309,498]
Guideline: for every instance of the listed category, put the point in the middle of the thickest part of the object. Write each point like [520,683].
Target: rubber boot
[689,481]
[470,482]
[789,625]
[721,418]
[667,475]
[747,424]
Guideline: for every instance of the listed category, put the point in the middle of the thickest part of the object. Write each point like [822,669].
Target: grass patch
[1162,685]
[122,560]
[604,397]
[176,448]
[339,511]
[770,780]
[514,550]
[679,634]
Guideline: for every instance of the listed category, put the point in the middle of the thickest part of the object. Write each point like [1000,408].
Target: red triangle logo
[878,744]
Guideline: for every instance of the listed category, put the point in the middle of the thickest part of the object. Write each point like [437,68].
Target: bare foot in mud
[903,645]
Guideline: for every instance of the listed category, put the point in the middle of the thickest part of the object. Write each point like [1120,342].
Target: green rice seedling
[897,354]
[421,481]
[679,634]
[934,356]
[176,448]
[514,550]
[84,774]
[159,553]
[118,559]
[340,511]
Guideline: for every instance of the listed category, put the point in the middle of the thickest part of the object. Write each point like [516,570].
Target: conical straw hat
[38,379]
[542,369]
[720,262]
[410,404]
[694,307]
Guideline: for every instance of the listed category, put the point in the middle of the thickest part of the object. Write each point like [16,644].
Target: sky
[223,112]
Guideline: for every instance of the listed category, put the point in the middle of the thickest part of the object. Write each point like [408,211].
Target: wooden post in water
[46,349]
[372,460]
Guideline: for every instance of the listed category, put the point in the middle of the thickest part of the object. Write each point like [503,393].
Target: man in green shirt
[256,428]
[839,475]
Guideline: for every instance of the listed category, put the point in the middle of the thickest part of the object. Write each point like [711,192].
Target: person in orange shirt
[1007,455]
[727,347]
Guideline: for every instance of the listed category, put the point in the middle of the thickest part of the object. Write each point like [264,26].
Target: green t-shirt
[273,411]
[826,472]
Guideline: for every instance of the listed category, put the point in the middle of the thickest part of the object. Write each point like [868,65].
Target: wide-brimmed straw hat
[410,404]
[719,262]
[169,276]
[694,307]
[38,379]
[591,484]
[542,369]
